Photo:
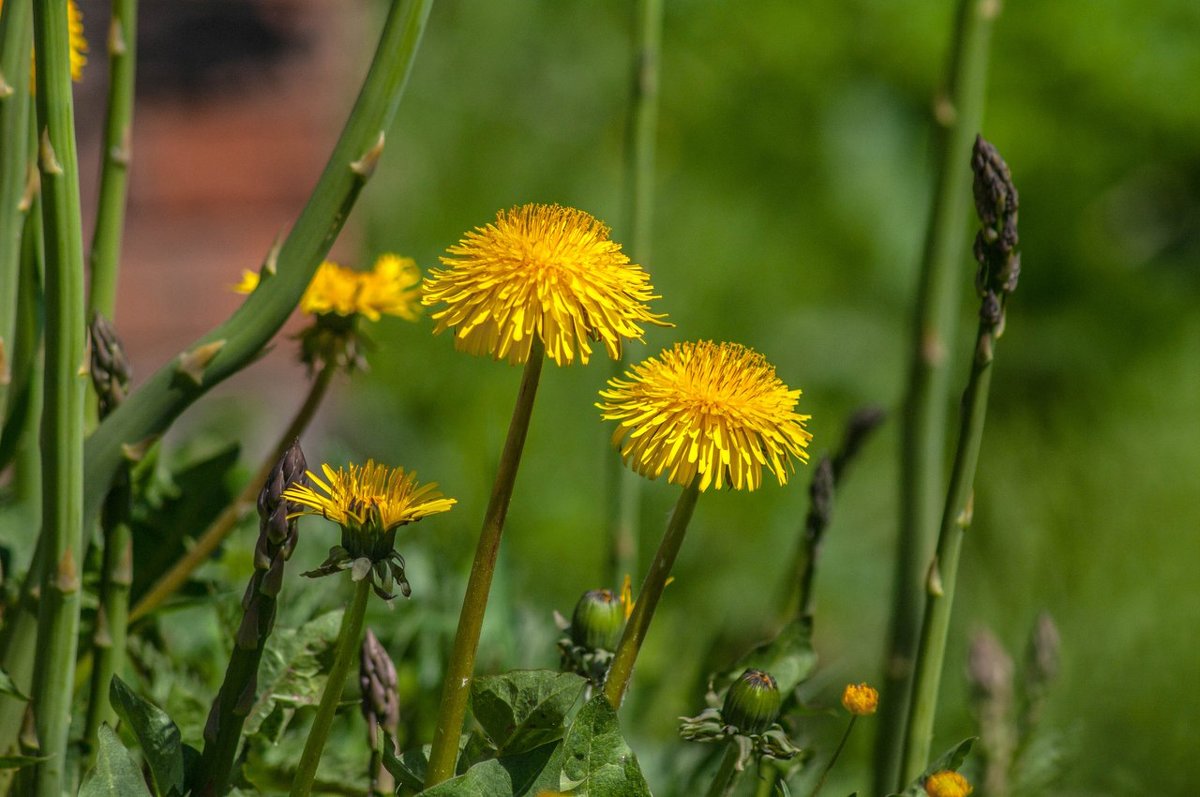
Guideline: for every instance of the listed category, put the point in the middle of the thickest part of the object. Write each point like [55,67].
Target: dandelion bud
[947,783]
[109,367]
[860,699]
[752,703]
[598,620]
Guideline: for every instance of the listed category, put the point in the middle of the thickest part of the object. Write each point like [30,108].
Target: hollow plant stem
[958,114]
[105,255]
[626,654]
[768,775]
[943,570]
[62,420]
[225,522]
[345,654]
[820,784]
[625,486]
[461,667]
[726,777]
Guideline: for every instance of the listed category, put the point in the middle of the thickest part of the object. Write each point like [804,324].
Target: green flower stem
[833,758]
[225,522]
[943,571]
[149,410]
[768,776]
[16,37]
[461,667]
[114,174]
[958,115]
[625,486]
[621,669]
[726,777]
[345,654]
[62,421]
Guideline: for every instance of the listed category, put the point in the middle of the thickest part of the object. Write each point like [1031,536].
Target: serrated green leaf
[789,657]
[525,709]
[951,759]
[7,687]
[116,773]
[597,762]
[158,736]
[290,676]
[508,776]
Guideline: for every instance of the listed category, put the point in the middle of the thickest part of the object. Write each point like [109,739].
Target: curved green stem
[345,654]
[833,758]
[726,777]
[958,114]
[621,669]
[461,667]
[943,570]
[62,421]
[219,529]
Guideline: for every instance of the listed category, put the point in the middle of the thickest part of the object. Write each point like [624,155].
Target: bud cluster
[996,243]
[590,638]
[747,716]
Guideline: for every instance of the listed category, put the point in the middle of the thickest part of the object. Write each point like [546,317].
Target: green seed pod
[598,620]
[752,703]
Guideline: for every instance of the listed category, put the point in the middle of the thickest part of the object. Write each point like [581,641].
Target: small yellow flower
[860,699]
[368,497]
[711,411]
[541,270]
[390,288]
[78,43]
[947,783]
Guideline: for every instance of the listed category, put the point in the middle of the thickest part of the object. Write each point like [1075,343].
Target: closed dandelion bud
[947,783]
[752,703]
[598,620]
[860,699]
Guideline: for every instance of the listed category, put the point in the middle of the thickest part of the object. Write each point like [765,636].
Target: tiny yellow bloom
[545,271]
[715,412]
[78,44]
[860,699]
[947,783]
[368,497]
[392,287]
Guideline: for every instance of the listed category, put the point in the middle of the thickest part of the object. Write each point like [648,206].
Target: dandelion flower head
[392,287]
[860,699]
[76,42]
[947,783]
[707,411]
[368,497]
[545,271]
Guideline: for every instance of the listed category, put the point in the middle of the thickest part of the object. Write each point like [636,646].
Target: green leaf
[115,774]
[156,733]
[290,675]
[789,657]
[410,767]
[597,762]
[7,687]
[951,759]
[508,776]
[525,709]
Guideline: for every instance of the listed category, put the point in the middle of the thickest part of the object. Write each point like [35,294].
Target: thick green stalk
[62,421]
[238,341]
[958,114]
[219,529]
[461,667]
[621,669]
[105,255]
[943,571]
[16,37]
[345,654]
[726,777]
[625,486]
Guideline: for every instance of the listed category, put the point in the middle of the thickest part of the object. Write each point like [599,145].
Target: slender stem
[726,776]
[958,115]
[625,486]
[461,667]
[105,255]
[943,570]
[62,422]
[225,522]
[833,758]
[345,654]
[768,774]
[621,669]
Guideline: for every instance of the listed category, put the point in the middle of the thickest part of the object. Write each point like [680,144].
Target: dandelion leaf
[158,736]
[525,709]
[597,761]
[116,773]
[508,776]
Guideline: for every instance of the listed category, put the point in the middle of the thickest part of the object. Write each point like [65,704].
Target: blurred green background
[793,181]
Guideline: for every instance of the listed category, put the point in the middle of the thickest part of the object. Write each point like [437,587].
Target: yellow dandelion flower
[369,497]
[392,287]
[947,783]
[711,411]
[78,43]
[541,270]
[860,699]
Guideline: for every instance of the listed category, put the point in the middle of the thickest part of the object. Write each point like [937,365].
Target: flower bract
[707,411]
[390,288]
[540,271]
[370,497]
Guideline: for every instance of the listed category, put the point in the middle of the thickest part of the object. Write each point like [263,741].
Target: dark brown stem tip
[109,366]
